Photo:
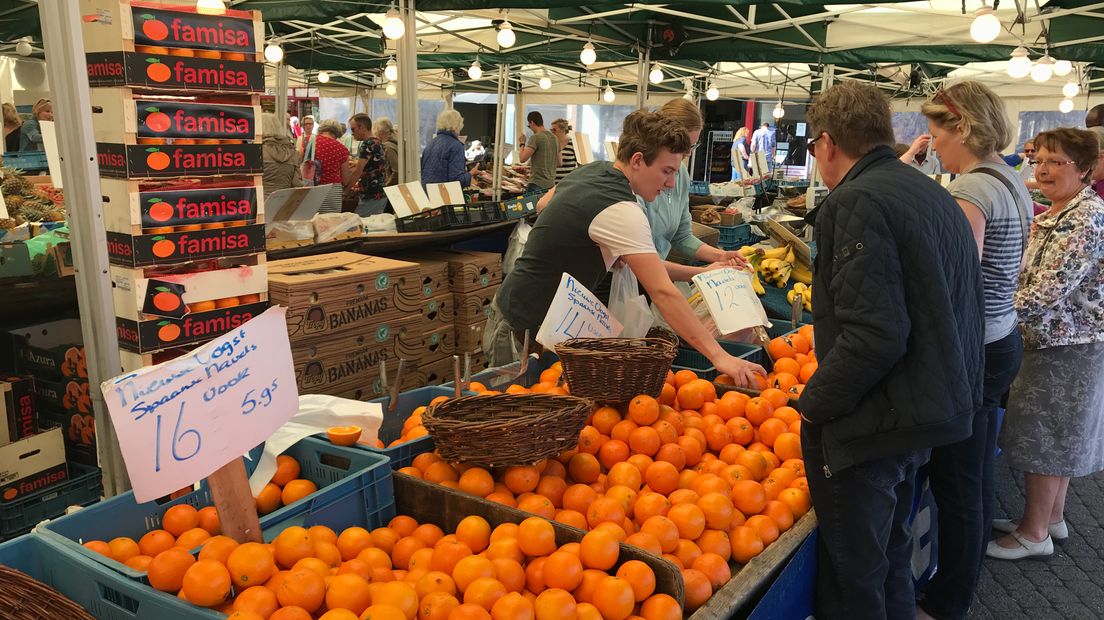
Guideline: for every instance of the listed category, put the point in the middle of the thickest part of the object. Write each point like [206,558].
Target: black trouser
[865,544]
[961,477]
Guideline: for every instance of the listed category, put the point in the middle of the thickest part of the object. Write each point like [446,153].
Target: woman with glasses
[1054,427]
[968,128]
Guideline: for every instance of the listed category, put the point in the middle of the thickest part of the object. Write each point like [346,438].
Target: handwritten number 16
[263,399]
[177,438]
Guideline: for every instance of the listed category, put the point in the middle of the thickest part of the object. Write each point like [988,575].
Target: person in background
[281,162]
[12,124]
[302,143]
[898,307]
[969,128]
[544,150]
[1054,427]
[562,130]
[443,158]
[30,134]
[369,169]
[347,139]
[331,154]
[1098,172]
[1024,162]
[920,156]
[1094,119]
[740,155]
[385,133]
[763,141]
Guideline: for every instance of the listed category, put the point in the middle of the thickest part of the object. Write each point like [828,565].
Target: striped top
[567,161]
[1004,245]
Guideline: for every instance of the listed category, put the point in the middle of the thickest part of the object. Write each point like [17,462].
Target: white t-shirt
[622,229]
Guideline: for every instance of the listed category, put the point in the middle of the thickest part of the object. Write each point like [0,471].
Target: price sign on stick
[180,421]
[576,313]
[731,300]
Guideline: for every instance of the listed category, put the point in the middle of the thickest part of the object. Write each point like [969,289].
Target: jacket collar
[876,157]
[448,132]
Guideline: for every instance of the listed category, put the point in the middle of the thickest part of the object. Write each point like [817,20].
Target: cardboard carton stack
[31,458]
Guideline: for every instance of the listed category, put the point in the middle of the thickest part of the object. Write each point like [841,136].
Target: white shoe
[1057,531]
[1026,549]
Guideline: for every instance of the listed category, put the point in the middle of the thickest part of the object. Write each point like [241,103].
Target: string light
[210,7]
[656,75]
[24,48]
[1042,70]
[778,111]
[323,77]
[712,93]
[1062,68]
[475,71]
[545,82]
[1066,106]
[1071,89]
[588,55]
[506,36]
[986,26]
[609,95]
[1019,66]
[273,52]
[393,26]
[390,90]
[391,70]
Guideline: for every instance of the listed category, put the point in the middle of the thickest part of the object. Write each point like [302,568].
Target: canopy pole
[500,130]
[61,35]
[281,93]
[520,122]
[407,60]
[643,58]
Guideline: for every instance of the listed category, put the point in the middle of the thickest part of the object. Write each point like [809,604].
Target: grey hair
[331,127]
[450,120]
[384,125]
[271,125]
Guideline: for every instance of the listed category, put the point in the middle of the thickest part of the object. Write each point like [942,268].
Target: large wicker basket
[616,370]
[25,598]
[506,429]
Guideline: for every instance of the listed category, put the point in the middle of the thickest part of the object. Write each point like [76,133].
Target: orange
[578,497]
[352,541]
[403,525]
[382,612]
[555,604]
[563,570]
[477,481]
[755,462]
[644,410]
[764,526]
[684,376]
[553,488]
[599,550]
[787,364]
[399,594]
[646,542]
[536,537]
[219,548]
[787,446]
[714,567]
[780,513]
[650,504]
[797,500]
[139,562]
[434,606]
[291,545]
[428,533]
[257,599]
[664,530]
[192,538]
[696,393]
[590,440]
[689,519]
[206,583]
[209,520]
[612,452]
[749,496]
[667,394]
[717,541]
[404,549]
[296,490]
[166,570]
[123,548]
[698,588]
[644,440]
[758,409]
[660,607]
[783,381]
[510,573]
[447,553]
[572,518]
[781,347]
[584,468]
[770,430]
[806,372]
[475,532]
[385,538]
[469,611]
[287,469]
[604,419]
[424,460]
[521,479]
[154,542]
[349,592]
[614,598]
[252,615]
[662,477]
[537,505]
[622,429]
[440,471]
[484,592]
[321,533]
[717,509]
[179,519]
[268,499]
[604,509]
[434,581]
[534,576]
[787,414]
[513,606]
[640,577]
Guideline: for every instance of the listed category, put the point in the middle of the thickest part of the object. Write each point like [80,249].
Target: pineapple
[14,201]
[33,211]
[55,215]
[14,181]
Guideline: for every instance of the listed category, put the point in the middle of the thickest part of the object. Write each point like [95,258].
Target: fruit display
[27,202]
[803,291]
[777,266]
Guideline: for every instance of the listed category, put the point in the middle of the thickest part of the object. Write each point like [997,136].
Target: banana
[790,258]
[802,274]
[748,251]
[783,276]
[799,286]
[777,252]
[753,266]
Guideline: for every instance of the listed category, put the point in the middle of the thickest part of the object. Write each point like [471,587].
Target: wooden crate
[474,307]
[134,208]
[116,25]
[468,271]
[120,115]
[170,248]
[173,74]
[144,161]
[155,334]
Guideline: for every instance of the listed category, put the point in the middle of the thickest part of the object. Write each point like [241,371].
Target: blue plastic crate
[403,455]
[103,593]
[690,359]
[737,236]
[351,477]
[19,516]
[522,206]
[699,188]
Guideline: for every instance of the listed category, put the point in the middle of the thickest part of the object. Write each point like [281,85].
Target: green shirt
[669,215]
[543,161]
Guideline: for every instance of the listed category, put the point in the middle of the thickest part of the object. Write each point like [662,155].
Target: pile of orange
[182,526]
[286,487]
[685,476]
[795,361]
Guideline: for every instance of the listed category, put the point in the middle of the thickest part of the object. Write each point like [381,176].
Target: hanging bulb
[588,56]
[210,7]
[273,52]
[656,75]
[778,111]
[712,93]
[986,26]
[1062,68]
[545,82]
[393,26]
[609,95]
[323,77]
[1066,106]
[475,71]
[390,89]
[506,36]
[1042,70]
[391,70]
[24,48]
[1071,89]
[1019,65]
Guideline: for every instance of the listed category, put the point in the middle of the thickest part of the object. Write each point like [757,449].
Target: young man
[544,149]
[763,140]
[595,219]
[370,168]
[898,307]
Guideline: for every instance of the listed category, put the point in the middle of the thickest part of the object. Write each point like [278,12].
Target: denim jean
[961,477]
[865,543]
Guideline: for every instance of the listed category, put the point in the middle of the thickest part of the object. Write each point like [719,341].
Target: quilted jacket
[899,314]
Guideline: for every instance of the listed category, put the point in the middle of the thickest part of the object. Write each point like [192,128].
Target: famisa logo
[186,245]
[186,160]
[207,124]
[34,483]
[213,34]
[186,209]
[181,73]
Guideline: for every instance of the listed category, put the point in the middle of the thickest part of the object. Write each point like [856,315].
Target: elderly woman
[30,135]
[968,128]
[1054,428]
[330,153]
[443,158]
[385,133]
[568,161]
[281,163]
[12,125]
[303,142]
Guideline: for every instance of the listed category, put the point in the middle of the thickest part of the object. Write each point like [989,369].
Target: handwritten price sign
[575,312]
[180,421]
[730,299]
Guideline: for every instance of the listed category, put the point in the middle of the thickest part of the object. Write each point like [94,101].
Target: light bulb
[393,26]
[778,111]
[1019,65]
[712,93]
[506,36]
[1071,89]
[588,56]
[609,95]
[390,90]
[1042,70]
[1066,106]
[391,70]
[323,77]
[210,7]
[545,82]
[273,52]
[986,26]
[656,75]
[475,71]
[1062,67]
[24,48]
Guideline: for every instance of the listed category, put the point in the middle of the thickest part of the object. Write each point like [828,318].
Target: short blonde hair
[740,133]
[384,125]
[976,112]
[450,120]
[11,116]
[40,106]
[562,125]
[684,112]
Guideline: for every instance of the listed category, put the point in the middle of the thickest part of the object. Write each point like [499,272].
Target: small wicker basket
[25,598]
[506,429]
[616,370]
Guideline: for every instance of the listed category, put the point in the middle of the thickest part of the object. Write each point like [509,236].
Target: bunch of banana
[800,290]
[756,284]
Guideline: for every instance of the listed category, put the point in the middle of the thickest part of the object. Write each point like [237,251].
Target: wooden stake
[237,510]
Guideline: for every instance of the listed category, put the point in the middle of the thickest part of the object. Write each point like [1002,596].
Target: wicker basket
[24,598]
[506,429]
[615,370]
[663,333]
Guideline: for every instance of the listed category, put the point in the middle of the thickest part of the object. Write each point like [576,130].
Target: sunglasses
[811,145]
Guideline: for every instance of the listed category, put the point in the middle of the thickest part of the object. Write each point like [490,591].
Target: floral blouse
[1060,299]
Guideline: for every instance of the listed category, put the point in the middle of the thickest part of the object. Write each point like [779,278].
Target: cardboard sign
[176,73]
[156,27]
[181,208]
[180,421]
[576,313]
[730,299]
[441,194]
[172,119]
[139,161]
[182,247]
[584,154]
[407,198]
[53,159]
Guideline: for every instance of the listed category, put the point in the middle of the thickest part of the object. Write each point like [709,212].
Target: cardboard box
[18,414]
[78,430]
[68,395]
[51,349]
[32,464]
[474,307]
[468,271]
[110,25]
[183,247]
[131,206]
[120,115]
[469,338]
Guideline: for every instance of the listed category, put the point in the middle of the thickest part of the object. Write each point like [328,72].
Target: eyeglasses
[945,99]
[811,145]
[1046,163]
[1029,150]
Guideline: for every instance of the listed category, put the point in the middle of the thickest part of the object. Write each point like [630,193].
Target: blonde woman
[568,162]
[385,133]
[740,154]
[30,135]
[12,123]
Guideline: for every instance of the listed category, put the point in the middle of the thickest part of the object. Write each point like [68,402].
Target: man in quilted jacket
[898,309]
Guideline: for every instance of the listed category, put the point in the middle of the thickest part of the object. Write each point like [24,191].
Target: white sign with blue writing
[731,300]
[180,421]
[576,313]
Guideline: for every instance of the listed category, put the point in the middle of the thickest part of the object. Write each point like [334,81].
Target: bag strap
[1015,199]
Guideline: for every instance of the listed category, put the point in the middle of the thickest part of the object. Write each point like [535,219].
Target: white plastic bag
[516,246]
[628,305]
